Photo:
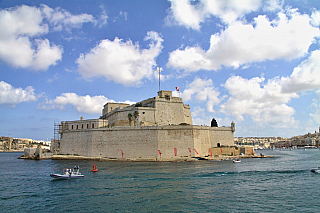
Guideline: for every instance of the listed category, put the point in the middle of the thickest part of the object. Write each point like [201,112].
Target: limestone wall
[76,142]
[145,141]
[202,141]
[187,114]
[169,112]
[119,116]
[175,139]
[227,151]
[221,136]
[112,106]
[133,142]
[147,114]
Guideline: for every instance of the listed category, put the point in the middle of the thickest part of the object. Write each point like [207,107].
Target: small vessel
[68,174]
[94,168]
[315,170]
[237,161]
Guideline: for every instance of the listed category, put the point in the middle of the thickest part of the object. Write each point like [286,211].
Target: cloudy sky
[254,62]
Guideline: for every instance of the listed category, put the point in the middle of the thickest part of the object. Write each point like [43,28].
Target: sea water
[280,184]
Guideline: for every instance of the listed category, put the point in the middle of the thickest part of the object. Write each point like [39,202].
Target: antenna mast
[159,70]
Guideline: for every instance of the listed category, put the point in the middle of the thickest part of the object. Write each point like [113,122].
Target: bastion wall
[145,142]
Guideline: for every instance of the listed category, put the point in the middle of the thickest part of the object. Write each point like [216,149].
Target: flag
[177,89]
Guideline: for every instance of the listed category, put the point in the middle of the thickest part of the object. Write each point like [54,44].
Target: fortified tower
[157,111]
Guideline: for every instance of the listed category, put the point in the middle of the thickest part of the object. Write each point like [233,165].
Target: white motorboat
[68,174]
[315,170]
[237,161]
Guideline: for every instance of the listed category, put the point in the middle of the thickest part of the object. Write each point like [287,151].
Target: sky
[253,62]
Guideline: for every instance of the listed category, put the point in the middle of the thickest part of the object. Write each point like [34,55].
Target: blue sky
[253,62]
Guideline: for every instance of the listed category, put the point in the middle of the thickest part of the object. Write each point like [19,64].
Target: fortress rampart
[145,141]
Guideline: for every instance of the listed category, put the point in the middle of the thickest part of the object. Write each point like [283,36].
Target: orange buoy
[94,168]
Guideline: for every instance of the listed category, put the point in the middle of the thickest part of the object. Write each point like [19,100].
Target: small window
[143,112]
[77,127]
[82,126]
[71,126]
[92,125]
[87,126]
[218,144]
[167,97]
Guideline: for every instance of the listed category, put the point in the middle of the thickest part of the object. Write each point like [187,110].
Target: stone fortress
[155,128]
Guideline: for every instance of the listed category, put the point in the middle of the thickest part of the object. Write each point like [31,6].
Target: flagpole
[159,73]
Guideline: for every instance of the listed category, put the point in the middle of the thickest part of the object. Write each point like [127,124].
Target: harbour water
[280,184]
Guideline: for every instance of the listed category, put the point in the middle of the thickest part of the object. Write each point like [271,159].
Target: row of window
[77,126]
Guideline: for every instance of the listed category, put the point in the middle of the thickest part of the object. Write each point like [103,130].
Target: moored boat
[315,170]
[68,174]
[237,161]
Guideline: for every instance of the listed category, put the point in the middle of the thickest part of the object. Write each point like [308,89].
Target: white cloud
[268,101]
[20,28]
[304,77]
[61,19]
[191,15]
[262,102]
[202,90]
[315,18]
[12,96]
[85,104]
[198,112]
[315,116]
[124,14]
[121,62]
[230,10]
[45,55]
[17,26]
[103,20]
[273,5]
[287,37]
[183,13]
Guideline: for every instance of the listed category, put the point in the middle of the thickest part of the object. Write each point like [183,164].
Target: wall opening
[218,144]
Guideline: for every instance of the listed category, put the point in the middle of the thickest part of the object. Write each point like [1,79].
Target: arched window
[218,144]
[77,126]
[87,126]
[82,126]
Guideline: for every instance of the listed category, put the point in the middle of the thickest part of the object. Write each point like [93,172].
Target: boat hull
[316,171]
[65,176]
